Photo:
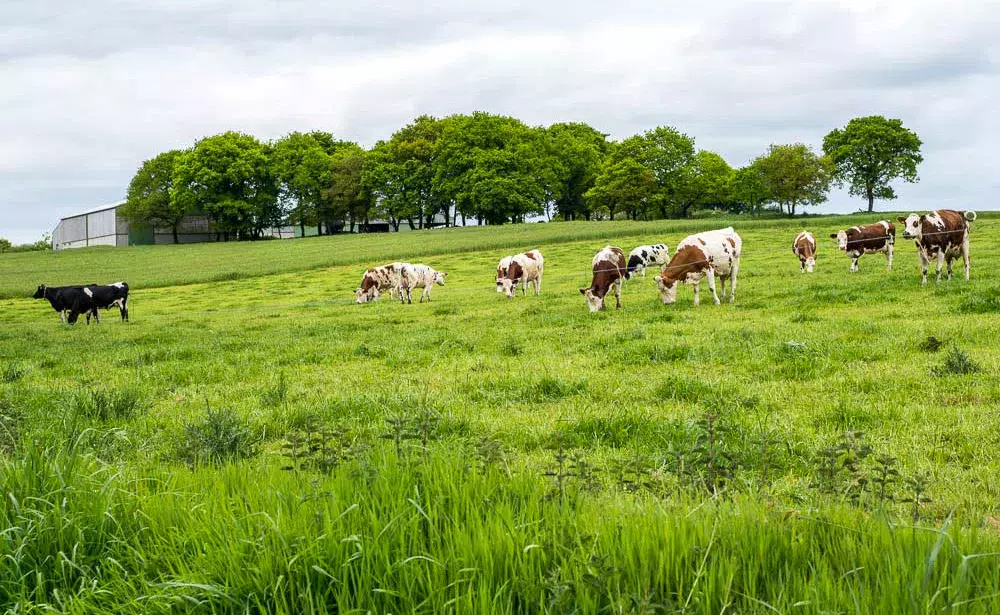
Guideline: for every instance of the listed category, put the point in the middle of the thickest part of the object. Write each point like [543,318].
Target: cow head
[841,237]
[810,263]
[501,274]
[514,273]
[39,292]
[594,302]
[362,295]
[912,226]
[668,289]
[439,277]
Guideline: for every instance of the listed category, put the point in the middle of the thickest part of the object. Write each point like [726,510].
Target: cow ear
[583,291]
[901,218]
[833,235]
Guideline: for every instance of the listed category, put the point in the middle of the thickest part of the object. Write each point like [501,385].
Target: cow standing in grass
[942,235]
[72,301]
[702,257]
[869,239]
[502,271]
[644,256]
[609,268]
[804,247]
[418,276]
[524,269]
[378,280]
[61,298]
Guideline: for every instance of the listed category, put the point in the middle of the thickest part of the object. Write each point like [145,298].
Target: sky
[88,90]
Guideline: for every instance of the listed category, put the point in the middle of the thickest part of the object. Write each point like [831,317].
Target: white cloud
[89,93]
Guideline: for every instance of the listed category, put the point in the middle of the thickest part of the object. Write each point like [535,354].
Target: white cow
[527,269]
[418,276]
[502,271]
[702,257]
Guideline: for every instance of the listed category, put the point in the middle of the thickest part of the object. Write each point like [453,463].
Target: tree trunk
[410,222]
[463,218]
[174,229]
[302,226]
[871,199]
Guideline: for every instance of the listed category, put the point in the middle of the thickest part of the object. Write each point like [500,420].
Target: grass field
[255,442]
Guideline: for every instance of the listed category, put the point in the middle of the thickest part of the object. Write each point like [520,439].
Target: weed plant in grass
[261,443]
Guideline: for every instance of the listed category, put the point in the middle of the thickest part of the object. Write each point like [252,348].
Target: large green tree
[301,167]
[707,182]
[795,175]
[870,153]
[346,197]
[579,151]
[150,200]
[669,154]
[400,173]
[229,177]
[749,187]
[623,184]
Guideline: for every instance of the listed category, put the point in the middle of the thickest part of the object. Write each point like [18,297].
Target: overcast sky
[88,90]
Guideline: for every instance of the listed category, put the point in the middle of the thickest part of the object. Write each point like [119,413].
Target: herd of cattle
[941,236]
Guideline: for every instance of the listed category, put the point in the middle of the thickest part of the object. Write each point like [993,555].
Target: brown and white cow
[525,269]
[377,280]
[804,247]
[502,271]
[609,269]
[941,235]
[868,239]
[703,256]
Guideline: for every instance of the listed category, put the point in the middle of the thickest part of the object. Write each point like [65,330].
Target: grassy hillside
[255,441]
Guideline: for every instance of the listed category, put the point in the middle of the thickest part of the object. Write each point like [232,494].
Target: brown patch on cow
[368,282]
[514,271]
[950,237]
[804,248]
[731,241]
[869,238]
[702,241]
[606,273]
[530,255]
[689,259]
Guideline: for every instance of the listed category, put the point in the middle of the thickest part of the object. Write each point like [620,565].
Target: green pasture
[254,441]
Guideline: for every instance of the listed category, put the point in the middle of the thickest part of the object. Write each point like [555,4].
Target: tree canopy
[150,199]
[870,153]
[794,175]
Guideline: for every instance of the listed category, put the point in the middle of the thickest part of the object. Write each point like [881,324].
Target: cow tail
[969,215]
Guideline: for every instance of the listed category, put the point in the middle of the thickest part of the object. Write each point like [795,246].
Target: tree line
[491,169]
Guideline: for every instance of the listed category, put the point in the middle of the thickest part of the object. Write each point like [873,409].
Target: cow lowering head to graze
[418,276]
[524,269]
[645,256]
[502,271]
[72,301]
[804,247]
[869,239]
[609,268]
[941,235]
[378,280]
[703,256]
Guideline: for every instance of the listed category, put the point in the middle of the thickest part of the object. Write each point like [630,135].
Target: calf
[804,247]
[378,280]
[703,256]
[644,256]
[61,298]
[609,270]
[527,269]
[502,271]
[941,235]
[868,239]
[418,276]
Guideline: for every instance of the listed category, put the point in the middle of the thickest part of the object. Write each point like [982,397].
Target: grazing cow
[609,269]
[941,234]
[644,256]
[703,256]
[61,298]
[502,272]
[868,239]
[378,280]
[418,276]
[804,247]
[527,269]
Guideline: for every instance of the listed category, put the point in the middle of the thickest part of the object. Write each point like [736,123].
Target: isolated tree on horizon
[870,153]
[150,201]
[795,175]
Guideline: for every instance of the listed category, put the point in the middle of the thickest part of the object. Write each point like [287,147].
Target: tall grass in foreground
[437,532]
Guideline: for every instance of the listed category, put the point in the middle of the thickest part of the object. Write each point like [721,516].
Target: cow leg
[97,316]
[950,259]
[924,261]
[538,284]
[854,262]
[940,264]
[618,293]
[711,285]
[643,273]
[732,282]
[722,281]
[524,287]
[697,292]
[888,255]
[802,266]
[965,255]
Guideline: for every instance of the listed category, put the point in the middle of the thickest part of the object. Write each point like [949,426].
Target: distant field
[813,448]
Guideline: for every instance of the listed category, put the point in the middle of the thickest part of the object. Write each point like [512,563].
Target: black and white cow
[72,301]
[644,256]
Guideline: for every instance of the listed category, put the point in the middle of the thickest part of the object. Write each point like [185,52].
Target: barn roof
[94,210]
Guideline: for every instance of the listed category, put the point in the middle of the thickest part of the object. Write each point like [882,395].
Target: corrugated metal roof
[94,210]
